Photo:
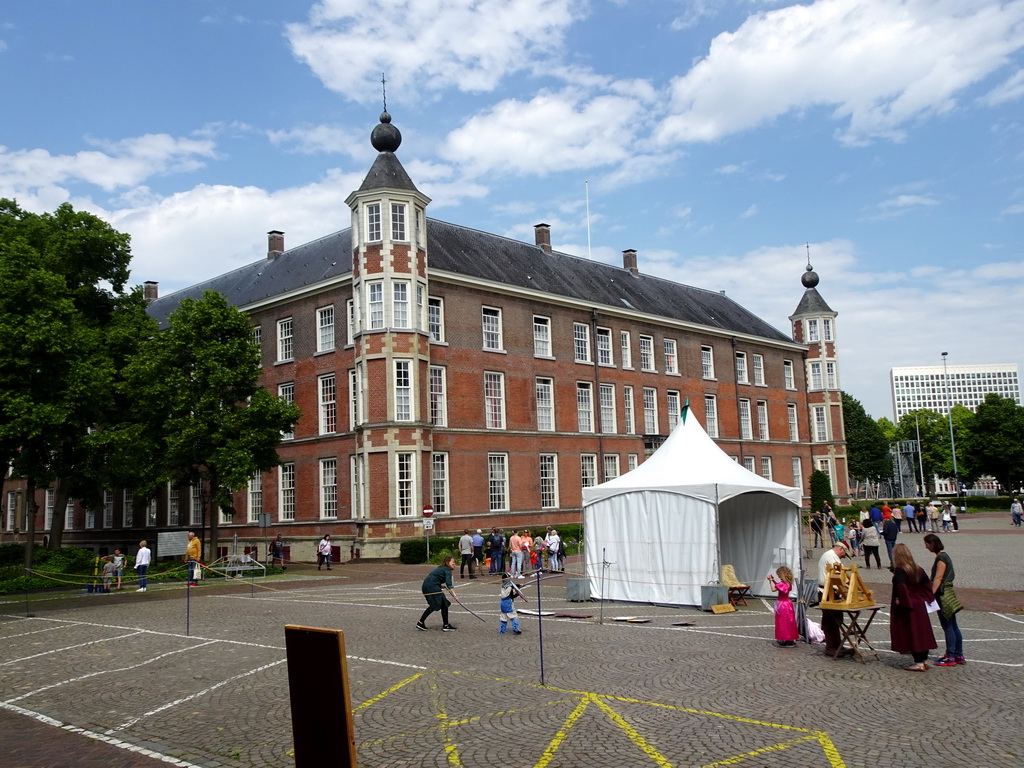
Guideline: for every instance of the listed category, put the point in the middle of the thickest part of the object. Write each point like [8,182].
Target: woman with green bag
[942,586]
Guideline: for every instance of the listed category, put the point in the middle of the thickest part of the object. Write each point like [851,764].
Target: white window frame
[127,509]
[671,353]
[674,405]
[632,462]
[405,484]
[285,340]
[798,473]
[439,486]
[173,505]
[611,466]
[325,329]
[606,400]
[815,376]
[825,465]
[603,342]
[497,482]
[329,488]
[748,463]
[584,406]
[490,319]
[254,497]
[794,422]
[398,227]
[438,395]
[628,410]
[374,233]
[286,492]
[350,313]
[403,395]
[758,366]
[327,399]
[826,329]
[762,420]
[195,505]
[746,429]
[711,415]
[257,337]
[646,347]
[548,481]
[766,467]
[48,508]
[541,336]
[588,470]
[650,396]
[831,376]
[286,391]
[375,305]
[626,350]
[812,331]
[400,304]
[819,414]
[357,486]
[788,374]
[742,376]
[355,385]
[435,319]
[581,343]
[707,362]
[545,392]
[494,400]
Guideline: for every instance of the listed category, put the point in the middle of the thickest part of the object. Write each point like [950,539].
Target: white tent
[660,532]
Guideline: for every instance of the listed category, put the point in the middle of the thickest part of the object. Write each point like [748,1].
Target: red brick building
[488,378]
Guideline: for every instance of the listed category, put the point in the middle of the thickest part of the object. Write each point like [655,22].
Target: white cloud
[1009,90]
[878,64]
[552,132]
[427,44]
[907,201]
[751,211]
[317,139]
[123,163]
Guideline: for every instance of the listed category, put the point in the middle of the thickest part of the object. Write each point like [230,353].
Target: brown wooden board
[317,663]
[726,608]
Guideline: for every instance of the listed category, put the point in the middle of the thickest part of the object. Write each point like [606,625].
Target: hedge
[414,551]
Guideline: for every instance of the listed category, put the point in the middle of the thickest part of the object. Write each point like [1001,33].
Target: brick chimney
[542,232]
[150,291]
[629,261]
[275,243]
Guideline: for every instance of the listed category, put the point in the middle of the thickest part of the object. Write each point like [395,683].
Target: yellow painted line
[549,754]
[380,696]
[450,749]
[634,735]
[830,751]
[773,748]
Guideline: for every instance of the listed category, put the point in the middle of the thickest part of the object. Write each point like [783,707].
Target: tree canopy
[995,441]
[867,447]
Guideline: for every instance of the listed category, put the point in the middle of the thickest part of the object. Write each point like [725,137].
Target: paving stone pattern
[120,667]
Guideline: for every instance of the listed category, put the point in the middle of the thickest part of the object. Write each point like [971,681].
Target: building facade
[488,379]
[939,388]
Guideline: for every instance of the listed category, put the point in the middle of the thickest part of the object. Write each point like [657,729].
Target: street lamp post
[949,414]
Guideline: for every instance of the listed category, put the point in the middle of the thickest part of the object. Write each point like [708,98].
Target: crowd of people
[518,554]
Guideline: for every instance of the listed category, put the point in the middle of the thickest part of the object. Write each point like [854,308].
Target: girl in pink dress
[785,618]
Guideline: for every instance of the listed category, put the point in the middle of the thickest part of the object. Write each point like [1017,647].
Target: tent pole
[718,538]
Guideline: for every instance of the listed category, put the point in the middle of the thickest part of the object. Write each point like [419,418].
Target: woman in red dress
[910,629]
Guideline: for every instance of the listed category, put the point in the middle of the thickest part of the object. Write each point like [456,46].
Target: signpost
[428,526]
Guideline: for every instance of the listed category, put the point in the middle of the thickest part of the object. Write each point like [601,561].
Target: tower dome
[385,137]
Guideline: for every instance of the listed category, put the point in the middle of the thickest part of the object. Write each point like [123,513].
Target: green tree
[207,420]
[821,490]
[867,448]
[64,275]
[888,429]
[993,441]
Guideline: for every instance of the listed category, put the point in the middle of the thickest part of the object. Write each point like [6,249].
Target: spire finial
[384,90]
[809,267]
[809,277]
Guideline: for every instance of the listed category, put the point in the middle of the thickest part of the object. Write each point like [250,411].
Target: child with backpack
[509,592]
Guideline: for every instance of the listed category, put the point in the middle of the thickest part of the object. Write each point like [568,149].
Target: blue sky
[716,137]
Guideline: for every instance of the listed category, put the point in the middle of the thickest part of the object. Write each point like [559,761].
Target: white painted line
[33,632]
[100,737]
[68,648]
[195,695]
[104,672]
[1009,618]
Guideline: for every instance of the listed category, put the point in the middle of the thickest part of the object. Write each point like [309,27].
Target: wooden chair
[738,592]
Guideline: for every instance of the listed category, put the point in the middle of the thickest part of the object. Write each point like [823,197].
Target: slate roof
[811,303]
[476,254]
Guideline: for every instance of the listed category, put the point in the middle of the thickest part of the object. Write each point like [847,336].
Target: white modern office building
[938,387]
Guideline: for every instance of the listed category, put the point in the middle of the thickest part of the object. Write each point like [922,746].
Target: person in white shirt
[142,565]
[831,621]
[555,550]
[323,552]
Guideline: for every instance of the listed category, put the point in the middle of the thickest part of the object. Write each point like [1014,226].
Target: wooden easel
[845,591]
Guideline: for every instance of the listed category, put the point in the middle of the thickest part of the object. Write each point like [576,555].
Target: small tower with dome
[814,324]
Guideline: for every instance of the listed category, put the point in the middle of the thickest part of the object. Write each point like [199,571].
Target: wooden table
[854,635]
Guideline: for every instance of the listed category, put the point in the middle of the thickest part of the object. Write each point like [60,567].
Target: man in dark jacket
[890,531]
